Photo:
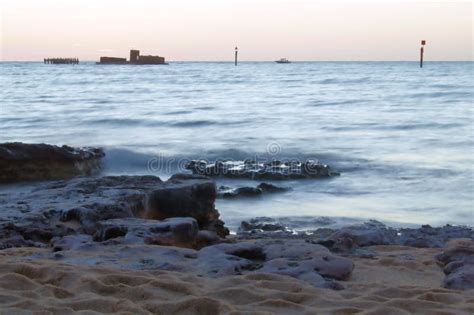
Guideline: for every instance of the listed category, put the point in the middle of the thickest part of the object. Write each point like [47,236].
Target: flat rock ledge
[141,222]
[355,241]
[122,209]
[26,162]
[274,170]
[144,223]
[350,238]
[299,259]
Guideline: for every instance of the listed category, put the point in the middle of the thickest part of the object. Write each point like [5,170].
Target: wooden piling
[61,61]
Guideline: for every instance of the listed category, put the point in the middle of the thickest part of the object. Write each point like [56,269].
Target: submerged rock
[228,192]
[259,224]
[274,170]
[24,162]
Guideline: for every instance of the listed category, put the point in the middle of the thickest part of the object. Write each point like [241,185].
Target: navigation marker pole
[236,52]
[422,50]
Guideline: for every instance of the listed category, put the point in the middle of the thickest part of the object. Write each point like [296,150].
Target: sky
[208,30]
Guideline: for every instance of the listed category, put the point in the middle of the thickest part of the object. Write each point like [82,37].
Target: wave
[409,126]
[344,81]
[460,94]
[125,160]
[132,122]
[319,103]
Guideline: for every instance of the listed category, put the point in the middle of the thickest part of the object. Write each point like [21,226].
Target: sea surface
[401,136]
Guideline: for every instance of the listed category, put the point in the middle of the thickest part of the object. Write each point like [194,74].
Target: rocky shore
[156,246]
[21,161]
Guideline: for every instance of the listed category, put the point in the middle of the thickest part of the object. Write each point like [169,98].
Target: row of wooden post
[63,61]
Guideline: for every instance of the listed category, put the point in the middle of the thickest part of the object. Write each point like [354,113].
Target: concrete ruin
[135,59]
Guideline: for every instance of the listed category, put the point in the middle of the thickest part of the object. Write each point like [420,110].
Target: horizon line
[241,61]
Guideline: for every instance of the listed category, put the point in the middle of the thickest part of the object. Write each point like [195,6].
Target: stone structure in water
[272,170]
[135,59]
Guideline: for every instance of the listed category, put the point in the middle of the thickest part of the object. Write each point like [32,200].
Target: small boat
[283,60]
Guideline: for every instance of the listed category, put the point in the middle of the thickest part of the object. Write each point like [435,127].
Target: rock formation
[274,170]
[23,162]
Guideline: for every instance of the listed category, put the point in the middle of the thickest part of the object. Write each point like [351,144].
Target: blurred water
[401,136]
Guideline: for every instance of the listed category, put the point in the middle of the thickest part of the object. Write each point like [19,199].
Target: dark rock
[458,262]
[270,188]
[79,205]
[185,176]
[228,259]
[428,236]
[261,224]
[186,198]
[274,170]
[70,242]
[206,238]
[366,234]
[296,258]
[301,257]
[180,232]
[240,192]
[89,215]
[23,162]
[15,241]
[228,192]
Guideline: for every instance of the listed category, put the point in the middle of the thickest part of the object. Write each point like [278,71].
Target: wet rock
[205,238]
[24,162]
[427,236]
[457,261]
[239,192]
[302,258]
[29,232]
[88,216]
[190,197]
[286,227]
[70,242]
[366,234]
[261,224]
[15,241]
[270,188]
[229,259]
[180,232]
[78,205]
[228,192]
[273,170]
[296,258]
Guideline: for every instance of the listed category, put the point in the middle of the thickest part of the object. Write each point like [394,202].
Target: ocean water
[401,136]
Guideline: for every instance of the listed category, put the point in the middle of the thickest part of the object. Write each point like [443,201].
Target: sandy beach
[402,280]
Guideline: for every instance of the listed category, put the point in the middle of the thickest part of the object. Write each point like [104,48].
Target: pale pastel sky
[262,29]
